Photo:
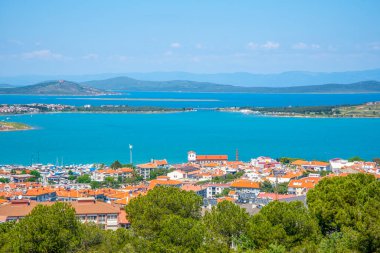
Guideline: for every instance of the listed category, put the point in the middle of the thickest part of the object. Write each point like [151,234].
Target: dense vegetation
[125,109]
[318,110]
[341,216]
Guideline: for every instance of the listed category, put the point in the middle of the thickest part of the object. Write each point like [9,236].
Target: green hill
[60,87]
[130,84]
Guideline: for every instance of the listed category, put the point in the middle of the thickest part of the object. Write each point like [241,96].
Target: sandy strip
[149,99]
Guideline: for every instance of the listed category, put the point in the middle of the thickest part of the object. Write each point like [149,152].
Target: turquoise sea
[103,138]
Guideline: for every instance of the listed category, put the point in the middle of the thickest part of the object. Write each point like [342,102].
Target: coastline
[103,112]
[299,116]
[14,126]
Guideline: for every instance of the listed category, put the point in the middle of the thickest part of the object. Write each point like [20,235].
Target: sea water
[103,138]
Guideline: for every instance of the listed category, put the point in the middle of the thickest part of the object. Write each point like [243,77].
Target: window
[91,218]
[102,218]
[111,217]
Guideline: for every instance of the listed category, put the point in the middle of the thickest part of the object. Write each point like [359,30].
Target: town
[35,108]
[99,193]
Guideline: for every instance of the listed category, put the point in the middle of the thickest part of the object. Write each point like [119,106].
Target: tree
[116,165]
[287,160]
[288,224]
[227,220]
[282,188]
[111,182]
[4,180]
[46,229]
[266,186]
[84,179]
[274,248]
[158,172]
[355,159]
[95,184]
[167,219]
[71,177]
[146,213]
[349,206]
[376,160]
[36,174]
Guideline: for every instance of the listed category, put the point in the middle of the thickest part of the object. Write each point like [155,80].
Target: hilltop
[57,87]
[130,84]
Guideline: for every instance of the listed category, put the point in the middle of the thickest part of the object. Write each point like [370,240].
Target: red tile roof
[212,157]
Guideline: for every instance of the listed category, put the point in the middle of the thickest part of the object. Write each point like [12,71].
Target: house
[204,159]
[177,174]
[145,169]
[100,175]
[164,181]
[68,195]
[312,165]
[265,162]
[337,163]
[21,178]
[303,185]
[246,190]
[86,209]
[284,178]
[198,189]
[40,194]
[214,189]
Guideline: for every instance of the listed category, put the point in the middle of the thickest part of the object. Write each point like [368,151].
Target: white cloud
[302,45]
[91,56]
[252,45]
[44,54]
[266,45]
[175,45]
[271,45]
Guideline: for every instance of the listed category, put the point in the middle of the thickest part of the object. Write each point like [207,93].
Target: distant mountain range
[99,87]
[54,88]
[130,84]
[285,79]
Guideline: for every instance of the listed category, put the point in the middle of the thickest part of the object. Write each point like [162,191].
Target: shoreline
[147,99]
[299,116]
[83,112]
[16,130]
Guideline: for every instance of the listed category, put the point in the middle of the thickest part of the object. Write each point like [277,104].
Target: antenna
[237,155]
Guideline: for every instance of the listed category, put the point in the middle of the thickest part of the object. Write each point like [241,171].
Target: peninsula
[367,110]
[34,108]
[13,126]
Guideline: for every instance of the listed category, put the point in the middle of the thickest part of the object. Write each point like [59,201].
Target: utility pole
[130,154]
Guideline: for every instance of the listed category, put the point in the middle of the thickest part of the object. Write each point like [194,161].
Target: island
[6,109]
[367,110]
[56,87]
[13,126]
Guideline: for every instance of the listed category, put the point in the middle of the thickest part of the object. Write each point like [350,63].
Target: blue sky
[89,37]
